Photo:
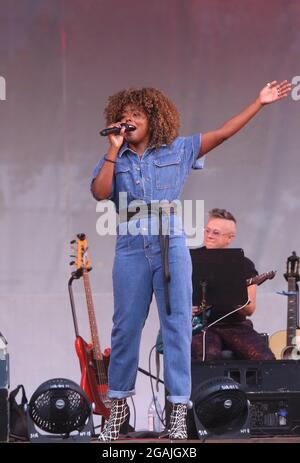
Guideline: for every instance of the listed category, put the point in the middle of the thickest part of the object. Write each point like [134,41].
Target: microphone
[117,130]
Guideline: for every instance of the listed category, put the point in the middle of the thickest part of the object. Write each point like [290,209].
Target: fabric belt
[149,210]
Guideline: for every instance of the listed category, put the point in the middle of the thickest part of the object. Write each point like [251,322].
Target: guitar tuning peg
[72,262]
[71,255]
[73,241]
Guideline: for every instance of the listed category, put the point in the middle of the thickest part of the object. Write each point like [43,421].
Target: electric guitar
[93,363]
[286,344]
[257,280]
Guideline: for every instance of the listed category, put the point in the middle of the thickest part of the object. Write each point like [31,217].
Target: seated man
[235,332]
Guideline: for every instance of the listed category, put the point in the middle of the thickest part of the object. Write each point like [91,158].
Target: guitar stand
[75,276]
[145,372]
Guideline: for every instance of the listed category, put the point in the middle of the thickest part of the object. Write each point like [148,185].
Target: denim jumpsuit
[159,174]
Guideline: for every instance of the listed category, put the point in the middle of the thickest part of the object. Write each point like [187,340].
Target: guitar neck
[92,318]
[292,310]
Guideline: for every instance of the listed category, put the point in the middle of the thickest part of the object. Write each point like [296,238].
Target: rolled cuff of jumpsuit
[178,399]
[120,394]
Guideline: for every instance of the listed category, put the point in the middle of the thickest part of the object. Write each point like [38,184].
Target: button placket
[146,181]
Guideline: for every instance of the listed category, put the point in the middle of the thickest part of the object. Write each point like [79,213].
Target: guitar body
[278,345]
[286,344]
[197,324]
[97,393]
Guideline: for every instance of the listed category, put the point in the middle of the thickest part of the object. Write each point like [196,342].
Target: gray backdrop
[61,60]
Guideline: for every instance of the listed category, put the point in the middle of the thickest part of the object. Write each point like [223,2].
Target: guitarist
[234,332]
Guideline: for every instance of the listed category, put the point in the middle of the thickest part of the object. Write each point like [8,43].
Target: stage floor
[250,440]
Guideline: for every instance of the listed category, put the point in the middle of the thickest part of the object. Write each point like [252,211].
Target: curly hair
[162,113]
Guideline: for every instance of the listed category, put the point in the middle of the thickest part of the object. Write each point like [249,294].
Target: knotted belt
[148,210]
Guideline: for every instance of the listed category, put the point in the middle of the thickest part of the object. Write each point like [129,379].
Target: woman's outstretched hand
[274,91]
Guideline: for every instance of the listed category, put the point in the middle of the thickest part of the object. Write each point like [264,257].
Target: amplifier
[274,413]
[254,376]
[272,388]
[4,431]
[4,386]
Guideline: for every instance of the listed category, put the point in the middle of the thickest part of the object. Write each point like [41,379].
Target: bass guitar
[286,344]
[257,280]
[93,363]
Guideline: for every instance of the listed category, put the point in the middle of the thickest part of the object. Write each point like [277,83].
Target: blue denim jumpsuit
[159,174]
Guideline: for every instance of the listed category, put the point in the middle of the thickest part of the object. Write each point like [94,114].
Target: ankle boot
[178,428]
[118,414]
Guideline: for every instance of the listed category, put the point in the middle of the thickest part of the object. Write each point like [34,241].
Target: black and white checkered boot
[178,428]
[118,414]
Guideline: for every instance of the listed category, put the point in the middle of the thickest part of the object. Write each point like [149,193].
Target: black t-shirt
[250,271]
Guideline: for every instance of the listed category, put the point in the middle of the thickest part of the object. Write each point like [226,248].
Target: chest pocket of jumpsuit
[167,171]
[123,178]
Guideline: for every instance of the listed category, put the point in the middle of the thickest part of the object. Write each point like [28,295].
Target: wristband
[109,160]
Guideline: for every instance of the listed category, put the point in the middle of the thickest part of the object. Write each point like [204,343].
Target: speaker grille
[3,415]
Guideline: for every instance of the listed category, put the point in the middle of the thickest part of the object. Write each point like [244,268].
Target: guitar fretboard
[292,310]
[92,319]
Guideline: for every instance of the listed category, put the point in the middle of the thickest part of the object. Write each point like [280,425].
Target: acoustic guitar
[286,344]
[257,280]
[93,362]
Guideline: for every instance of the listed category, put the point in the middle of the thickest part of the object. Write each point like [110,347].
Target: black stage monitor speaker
[274,413]
[4,387]
[4,431]
[272,388]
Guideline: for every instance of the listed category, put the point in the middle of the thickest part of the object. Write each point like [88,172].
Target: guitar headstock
[264,276]
[292,267]
[82,260]
[270,275]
